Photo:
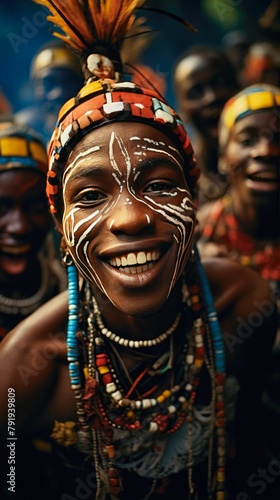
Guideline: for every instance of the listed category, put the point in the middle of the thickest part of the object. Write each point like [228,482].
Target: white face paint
[129,217]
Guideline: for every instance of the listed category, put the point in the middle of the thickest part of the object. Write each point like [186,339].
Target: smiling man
[139,394]
[245,224]
[27,278]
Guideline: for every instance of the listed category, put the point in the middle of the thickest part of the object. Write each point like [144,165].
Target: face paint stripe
[76,162]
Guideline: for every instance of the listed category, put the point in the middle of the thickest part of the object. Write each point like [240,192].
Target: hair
[210,51]
[55,54]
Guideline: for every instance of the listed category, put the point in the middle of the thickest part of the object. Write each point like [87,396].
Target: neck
[21,286]
[140,327]
[261,222]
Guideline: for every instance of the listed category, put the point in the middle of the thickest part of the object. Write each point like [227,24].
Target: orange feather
[87,23]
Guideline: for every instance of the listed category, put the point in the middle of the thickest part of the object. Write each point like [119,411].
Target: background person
[204,79]
[55,75]
[244,225]
[26,245]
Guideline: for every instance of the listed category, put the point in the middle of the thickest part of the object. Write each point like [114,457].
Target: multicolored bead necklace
[103,403]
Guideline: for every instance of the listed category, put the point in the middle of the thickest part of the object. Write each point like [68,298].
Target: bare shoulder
[247,312]
[32,356]
[231,282]
[50,316]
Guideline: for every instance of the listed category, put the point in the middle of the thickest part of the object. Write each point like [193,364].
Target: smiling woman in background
[28,274]
[244,225]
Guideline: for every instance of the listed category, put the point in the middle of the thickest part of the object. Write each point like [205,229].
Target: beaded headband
[20,147]
[96,30]
[250,100]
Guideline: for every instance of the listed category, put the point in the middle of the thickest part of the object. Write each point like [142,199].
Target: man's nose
[18,222]
[130,216]
[265,146]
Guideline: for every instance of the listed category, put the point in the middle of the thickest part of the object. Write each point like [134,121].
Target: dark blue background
[23,29]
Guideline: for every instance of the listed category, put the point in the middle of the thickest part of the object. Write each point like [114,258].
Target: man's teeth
[264,176]
[136,269]
[143,259]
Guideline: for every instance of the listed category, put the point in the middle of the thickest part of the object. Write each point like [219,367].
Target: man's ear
[223,165]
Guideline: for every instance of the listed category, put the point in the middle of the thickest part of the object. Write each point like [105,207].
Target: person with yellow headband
[244,225]
[143,398]
[25,224]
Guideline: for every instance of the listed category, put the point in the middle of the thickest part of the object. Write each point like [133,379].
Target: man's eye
[90,196]
[195,92]
[158,187]
[247,140]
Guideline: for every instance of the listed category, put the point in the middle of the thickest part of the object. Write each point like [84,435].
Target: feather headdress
[96,30]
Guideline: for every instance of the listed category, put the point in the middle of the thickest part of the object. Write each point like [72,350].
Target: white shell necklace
[133,344]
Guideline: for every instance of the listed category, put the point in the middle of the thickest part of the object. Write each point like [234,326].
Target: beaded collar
[25,306]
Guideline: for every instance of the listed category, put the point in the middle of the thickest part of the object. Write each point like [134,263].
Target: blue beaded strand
[72,328]
[214,325]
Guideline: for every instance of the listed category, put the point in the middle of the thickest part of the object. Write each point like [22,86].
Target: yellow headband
[250,100]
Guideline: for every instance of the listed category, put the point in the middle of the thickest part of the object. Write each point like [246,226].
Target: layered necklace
[23,307]
[159,394]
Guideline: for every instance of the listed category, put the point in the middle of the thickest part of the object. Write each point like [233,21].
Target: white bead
[153,427]
[117,396]
[171,409]
[146,403]
[111,387]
